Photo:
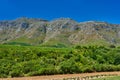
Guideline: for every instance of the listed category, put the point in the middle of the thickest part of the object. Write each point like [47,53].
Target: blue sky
[79,10]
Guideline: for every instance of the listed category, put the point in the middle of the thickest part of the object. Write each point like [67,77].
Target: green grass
[110,78]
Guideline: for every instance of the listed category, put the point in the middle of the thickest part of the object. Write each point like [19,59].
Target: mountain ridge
[62,31]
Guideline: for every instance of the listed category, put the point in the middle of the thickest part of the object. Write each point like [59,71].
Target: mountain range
[58,32]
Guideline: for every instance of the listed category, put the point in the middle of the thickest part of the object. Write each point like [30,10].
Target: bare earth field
[60,77]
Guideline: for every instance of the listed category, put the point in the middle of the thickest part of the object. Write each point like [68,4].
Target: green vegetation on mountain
[31,47]
[16,61]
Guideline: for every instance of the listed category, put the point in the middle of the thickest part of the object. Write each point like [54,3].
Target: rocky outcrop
[63,30]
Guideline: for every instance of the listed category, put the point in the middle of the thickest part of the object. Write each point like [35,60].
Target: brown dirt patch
[58,77]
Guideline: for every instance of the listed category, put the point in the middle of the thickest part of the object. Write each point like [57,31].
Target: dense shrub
[69,67]
[17,61]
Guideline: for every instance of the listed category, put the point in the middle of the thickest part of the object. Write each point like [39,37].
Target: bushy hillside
[16,61]
[31,47]
[63,31]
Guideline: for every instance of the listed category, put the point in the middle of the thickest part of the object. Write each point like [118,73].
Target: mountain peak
[63,19]
[30,19]
[62,30]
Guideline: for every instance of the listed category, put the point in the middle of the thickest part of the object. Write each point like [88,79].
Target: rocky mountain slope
[63,31]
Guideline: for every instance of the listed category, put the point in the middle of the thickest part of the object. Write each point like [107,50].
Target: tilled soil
[60,77]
